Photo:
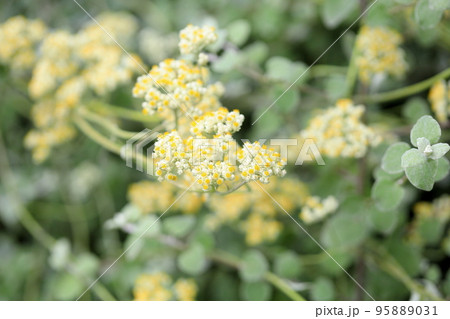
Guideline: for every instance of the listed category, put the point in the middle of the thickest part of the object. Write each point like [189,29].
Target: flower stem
[403,92]
[107,124]
[232,261]
[387,263]
[122,112]
[352,73]
[89,131]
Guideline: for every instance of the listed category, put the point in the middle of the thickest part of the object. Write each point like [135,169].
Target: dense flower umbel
[439,97]
[65,68]
[219,122]
[339,132]
[194,39]
[160,287]
[19,38]
[379,53]
[258,163]
[205,152]
[316,209]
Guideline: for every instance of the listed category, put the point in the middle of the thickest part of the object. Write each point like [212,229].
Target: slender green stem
[283,286]
[122,112]
[387,263]
[352,73]
[106,123]
[88,130]
[403,92]
[232,261]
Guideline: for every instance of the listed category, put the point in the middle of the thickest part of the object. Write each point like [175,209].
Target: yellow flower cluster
[65,66]
[19,38]
[151,197]
[439,97]
[339,132]
[379,53]
[260,229]
[159,286]
[260,225]
[194,39]
[217,123]
[185,289]
[205,152]
[316,209]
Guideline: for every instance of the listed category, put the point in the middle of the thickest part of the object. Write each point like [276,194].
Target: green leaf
[334,85]
[419,171]
[427,127]
[238,32]
[256,291]
[193,260]
[254,266]
[229,60]
[384,222]
[442,169]
[336,11]
[406,255]
[434,274]
[439,150]
[431,230]
[391,161]
[380,173]
[322,289]
[256,52]
[440,4]
[426,14]
[287,265]
[414,109]
[387,194]
[67,287]
[179,226]
[288,101]
[412,157]
[87,264]
[205,239]
[344,231]
[282,69]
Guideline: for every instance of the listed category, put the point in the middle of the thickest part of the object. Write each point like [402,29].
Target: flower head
[379,53]
[316,209]
[339,132]
[218,123]
[258,163]
[439,97]
[194,39]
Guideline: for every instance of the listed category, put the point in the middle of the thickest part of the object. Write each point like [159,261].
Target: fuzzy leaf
[256,291]
[336,11]
[254,266]
[192,261]
[439,150]
[238,32]
[427,15]
[427,127]
[387,194]
[443,168]
[391,161]
[423,174]
[412,158]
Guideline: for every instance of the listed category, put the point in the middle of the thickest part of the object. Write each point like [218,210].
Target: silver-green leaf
[391,161]
[426,127]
